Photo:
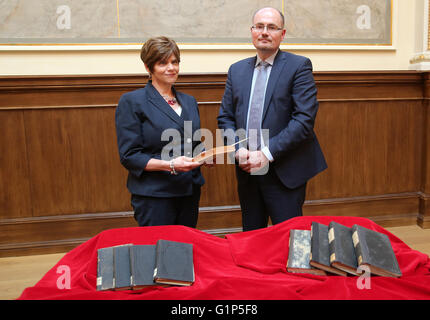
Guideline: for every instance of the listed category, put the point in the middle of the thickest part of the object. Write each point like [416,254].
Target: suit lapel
[158,101]
[248,75]
[277,67]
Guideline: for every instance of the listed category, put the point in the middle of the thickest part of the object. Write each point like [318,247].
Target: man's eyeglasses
[271,28]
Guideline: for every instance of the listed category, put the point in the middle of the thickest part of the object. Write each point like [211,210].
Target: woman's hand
[184,164]
[180,164]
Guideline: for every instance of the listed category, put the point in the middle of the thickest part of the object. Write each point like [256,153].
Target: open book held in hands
[212,153]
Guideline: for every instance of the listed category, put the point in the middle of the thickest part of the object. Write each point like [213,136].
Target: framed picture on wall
[208,23]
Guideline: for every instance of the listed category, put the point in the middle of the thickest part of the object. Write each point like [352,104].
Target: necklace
[170,101]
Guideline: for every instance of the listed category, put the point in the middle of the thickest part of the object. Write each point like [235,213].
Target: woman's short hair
[158,49]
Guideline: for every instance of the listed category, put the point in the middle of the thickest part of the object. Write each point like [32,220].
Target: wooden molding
[423,219]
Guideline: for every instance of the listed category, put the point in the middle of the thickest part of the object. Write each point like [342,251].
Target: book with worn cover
[342,252]
[320,253]
[142,260]
[105,278]
[174,263]
[299,253]
[373,249]
[121,267]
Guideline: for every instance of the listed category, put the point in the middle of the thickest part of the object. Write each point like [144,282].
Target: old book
[121,267]
[174,263]
[299,253]
[320,252]
[105,278]
[142,260]
[373,249]
[342,252]
[212,153]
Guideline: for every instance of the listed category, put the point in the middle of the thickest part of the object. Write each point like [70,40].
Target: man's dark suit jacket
[141,117]
[289,113]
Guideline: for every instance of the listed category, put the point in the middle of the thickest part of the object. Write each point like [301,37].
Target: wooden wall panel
[424,212]
[74,165]
[61,181]
[220,175]
[15,193]
[368,148]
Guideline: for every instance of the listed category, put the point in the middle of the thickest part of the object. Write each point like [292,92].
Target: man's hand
[242,156]
[251,161]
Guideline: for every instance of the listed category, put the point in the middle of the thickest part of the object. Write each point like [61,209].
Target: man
[273,97]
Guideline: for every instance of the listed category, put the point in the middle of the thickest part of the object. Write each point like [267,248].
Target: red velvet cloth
[248,265]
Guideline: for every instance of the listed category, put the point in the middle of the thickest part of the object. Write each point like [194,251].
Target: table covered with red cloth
[249,265]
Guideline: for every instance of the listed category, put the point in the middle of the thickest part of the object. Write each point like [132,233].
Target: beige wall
[90,60]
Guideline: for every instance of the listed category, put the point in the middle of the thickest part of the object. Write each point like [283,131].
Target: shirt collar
[269,60]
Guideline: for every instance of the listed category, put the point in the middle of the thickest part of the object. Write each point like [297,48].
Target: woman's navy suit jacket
[142,118]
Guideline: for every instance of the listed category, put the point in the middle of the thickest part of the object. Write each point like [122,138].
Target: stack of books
[340,250]
[135,267]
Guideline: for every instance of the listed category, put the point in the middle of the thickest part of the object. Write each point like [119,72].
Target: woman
[164,189]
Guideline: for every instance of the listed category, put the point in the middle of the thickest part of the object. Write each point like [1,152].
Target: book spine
[132,265]
[99,274]
[314,254]
[115,268]
[291,248]
[158,252]
[331,244]
[357,246]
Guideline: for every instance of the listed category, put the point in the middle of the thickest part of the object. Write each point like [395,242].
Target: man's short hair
[280,14]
